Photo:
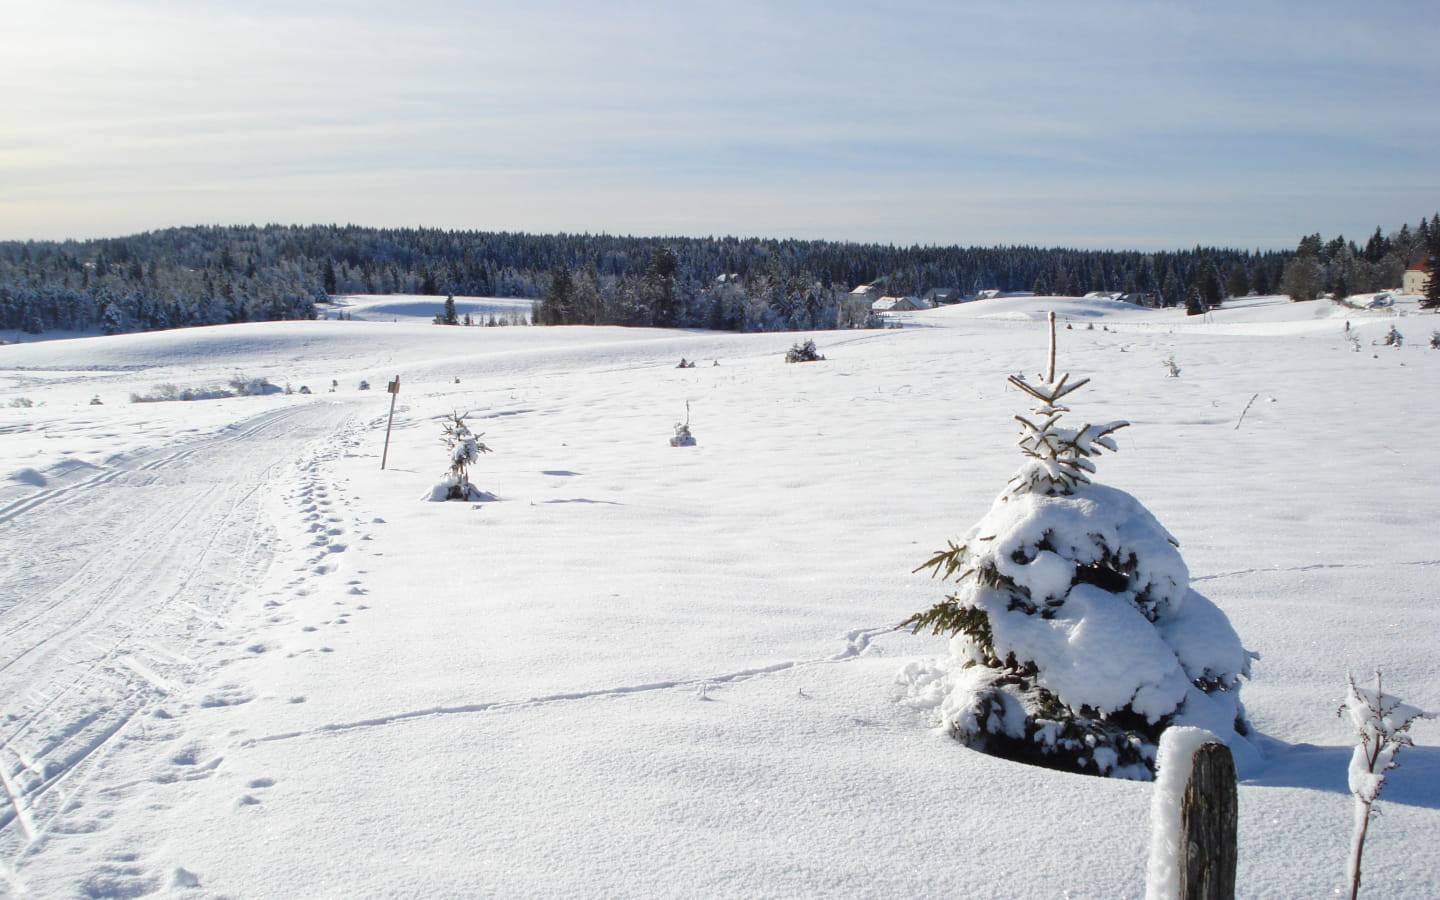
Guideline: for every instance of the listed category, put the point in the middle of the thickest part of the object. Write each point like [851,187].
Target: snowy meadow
[242,660]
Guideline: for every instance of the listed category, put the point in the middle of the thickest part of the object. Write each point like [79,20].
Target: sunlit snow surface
[241,660]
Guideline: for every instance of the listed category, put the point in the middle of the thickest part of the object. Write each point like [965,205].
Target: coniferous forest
[209,275]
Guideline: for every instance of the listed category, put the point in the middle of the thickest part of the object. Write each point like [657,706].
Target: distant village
[877,301]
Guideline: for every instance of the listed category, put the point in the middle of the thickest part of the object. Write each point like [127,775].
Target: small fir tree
[447,315]
[465,448]
[1076,639]
[683,437]
[805,352]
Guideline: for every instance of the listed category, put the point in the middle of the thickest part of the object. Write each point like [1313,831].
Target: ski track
[856,643]
[93,644]
[1312,567]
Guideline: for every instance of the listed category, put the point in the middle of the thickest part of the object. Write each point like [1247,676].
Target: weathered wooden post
[394,389]
[1208,813]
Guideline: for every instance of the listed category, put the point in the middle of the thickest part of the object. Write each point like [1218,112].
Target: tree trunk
[1207,827]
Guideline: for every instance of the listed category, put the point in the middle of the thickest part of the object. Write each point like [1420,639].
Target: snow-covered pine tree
[465,448]
[1076,639]
[683,437]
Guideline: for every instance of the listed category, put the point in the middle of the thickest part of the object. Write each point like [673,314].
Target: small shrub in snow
[465,448]
[166,393]
[1076,639]
[21,403]
[96,401]
[683,437]
[1170,366]
[1393,338]
[1435,340]
[364,385]
[805,352]
[1382,723]
[242,386]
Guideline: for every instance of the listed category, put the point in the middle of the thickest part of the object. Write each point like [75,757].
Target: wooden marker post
[394,389]
[1207,827]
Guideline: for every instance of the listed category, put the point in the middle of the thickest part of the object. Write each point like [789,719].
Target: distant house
[939,296]
[898,304]
[988,294]
[869,291]
[1417,279]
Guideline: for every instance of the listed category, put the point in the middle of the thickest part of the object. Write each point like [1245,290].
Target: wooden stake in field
[394,389]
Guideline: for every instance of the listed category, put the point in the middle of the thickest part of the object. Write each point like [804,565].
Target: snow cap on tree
[1076,638]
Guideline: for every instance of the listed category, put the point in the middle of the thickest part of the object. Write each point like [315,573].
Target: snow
[243,661]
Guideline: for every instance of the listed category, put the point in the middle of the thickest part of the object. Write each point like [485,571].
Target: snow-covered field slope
[241,660]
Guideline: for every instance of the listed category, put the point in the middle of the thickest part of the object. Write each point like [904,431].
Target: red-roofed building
[1417,278]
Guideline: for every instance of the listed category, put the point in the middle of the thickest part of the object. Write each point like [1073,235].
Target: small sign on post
[393,388]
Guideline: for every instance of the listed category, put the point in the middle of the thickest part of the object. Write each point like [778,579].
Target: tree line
[207,275]
[1341,267]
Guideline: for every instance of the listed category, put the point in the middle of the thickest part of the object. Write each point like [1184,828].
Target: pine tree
[1075,636]
[663,300]
[1431,300]
[447,315]
[465,448]
[1195,300]
[557,306]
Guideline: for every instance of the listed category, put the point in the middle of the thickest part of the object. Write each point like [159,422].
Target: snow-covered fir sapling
[1393,338]
[805,352]
[1171,367]
[683,437]
[1382,724]
[465,448]
[1076,639]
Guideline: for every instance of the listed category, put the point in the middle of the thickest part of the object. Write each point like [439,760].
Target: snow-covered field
[241,660]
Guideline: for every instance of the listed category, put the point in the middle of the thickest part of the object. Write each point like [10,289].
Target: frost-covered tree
[465,448]
[683,437]
[1381,724]
[1076,639]
[805,352]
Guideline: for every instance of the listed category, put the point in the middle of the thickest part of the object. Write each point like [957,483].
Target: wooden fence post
[1208,814]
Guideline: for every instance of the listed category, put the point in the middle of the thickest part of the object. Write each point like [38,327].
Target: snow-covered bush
[805,352]
[1393,338]
[243,386]
[1076,639]
[465,448]
[683,437]
[1381,723]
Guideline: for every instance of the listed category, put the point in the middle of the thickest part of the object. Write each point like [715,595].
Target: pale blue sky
[1094,124]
